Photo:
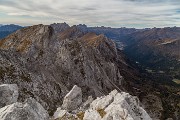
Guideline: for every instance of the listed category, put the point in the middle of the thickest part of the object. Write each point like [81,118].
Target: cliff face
[46,61]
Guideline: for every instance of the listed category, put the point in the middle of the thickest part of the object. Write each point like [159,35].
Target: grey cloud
[135,13]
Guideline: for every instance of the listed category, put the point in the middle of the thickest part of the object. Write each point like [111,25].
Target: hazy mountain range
[8,29]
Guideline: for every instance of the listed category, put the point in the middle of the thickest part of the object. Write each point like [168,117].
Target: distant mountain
[3,34]
[10,27]
[5,30]
[112,33]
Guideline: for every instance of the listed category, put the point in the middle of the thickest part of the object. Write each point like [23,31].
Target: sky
[112,13]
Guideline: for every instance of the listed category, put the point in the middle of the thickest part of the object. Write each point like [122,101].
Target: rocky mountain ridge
[45,63]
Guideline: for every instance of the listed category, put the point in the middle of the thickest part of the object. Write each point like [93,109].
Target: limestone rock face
[29,110]
[8,94]
[73,99]
[115,106]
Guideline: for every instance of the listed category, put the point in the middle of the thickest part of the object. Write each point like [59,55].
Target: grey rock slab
[8,94]
[29,110]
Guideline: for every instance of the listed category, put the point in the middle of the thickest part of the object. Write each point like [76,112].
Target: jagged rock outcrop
[46,61]
[73,99]
[8,94]
[29,110]
[59,27]
[115,106]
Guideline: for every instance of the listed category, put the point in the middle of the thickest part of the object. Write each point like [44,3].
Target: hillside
[157,49]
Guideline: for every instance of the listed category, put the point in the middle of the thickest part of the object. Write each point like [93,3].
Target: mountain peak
[22,39]
[59,27]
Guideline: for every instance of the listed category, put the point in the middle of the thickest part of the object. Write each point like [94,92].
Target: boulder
[73,99]
[8,94]
[125,107]
[29,110]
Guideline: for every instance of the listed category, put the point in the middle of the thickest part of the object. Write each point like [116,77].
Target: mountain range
[46,61]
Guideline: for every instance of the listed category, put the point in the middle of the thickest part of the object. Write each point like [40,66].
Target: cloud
[115,13]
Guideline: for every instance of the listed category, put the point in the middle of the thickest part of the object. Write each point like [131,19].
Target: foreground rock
[8,94]
[115,106]
[73,99]
[29,110]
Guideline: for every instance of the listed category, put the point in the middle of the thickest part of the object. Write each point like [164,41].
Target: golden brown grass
[24,45]
[101,112]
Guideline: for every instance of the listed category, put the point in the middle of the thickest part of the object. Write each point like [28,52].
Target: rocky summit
[115,106]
